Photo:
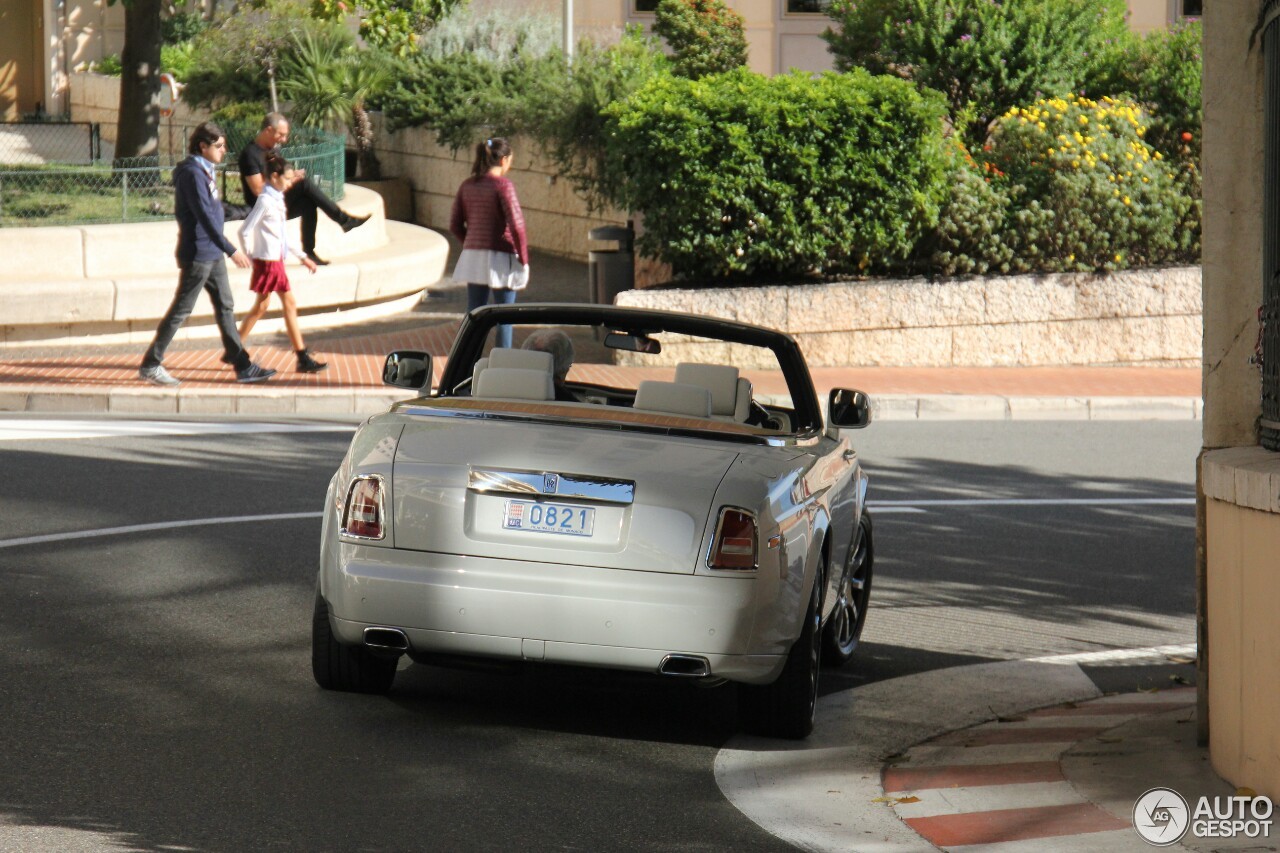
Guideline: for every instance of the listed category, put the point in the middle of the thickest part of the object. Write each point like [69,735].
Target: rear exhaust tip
[386,640]
[684,666]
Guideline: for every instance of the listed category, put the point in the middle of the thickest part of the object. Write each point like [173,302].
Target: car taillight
[734,546]
[363,514]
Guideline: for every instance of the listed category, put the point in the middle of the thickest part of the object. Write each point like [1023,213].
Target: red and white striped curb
[1000,787]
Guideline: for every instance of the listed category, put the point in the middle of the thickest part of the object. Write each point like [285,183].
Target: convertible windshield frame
[469,344]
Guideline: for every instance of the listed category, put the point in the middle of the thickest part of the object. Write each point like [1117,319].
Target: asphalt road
[156,685]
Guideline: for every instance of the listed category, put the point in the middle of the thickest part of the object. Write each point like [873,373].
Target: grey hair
[555,342]
[273,120]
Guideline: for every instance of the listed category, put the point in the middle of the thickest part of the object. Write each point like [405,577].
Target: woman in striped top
[487,218]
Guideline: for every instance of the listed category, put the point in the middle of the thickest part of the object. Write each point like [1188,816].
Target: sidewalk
[1063,778]
[100,378]
[1018,756]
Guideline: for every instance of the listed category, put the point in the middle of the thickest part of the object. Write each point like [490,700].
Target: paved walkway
[98,377]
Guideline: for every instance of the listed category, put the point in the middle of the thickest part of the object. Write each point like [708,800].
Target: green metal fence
[36,193]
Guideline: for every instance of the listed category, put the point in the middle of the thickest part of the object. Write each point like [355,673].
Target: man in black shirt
[303,198]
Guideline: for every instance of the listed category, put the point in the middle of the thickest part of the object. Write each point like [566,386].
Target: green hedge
[984,56]
[1067,185]
[740,175]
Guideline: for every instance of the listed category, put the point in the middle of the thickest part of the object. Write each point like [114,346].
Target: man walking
[303,198]
[202,259]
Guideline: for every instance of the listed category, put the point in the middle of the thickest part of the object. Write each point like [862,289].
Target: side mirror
[848,409]
[409,369]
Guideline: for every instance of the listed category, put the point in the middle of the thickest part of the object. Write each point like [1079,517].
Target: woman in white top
[265,240]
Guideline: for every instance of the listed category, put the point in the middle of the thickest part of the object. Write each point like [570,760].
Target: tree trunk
[138,130]
[370,168]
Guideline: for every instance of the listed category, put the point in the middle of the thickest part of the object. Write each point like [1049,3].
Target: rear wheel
[844,627]
[785,708]
[353,669]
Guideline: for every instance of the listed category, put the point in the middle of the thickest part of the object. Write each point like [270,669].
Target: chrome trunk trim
[551,484]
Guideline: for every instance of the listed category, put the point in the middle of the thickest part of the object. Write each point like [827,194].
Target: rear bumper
[521,610]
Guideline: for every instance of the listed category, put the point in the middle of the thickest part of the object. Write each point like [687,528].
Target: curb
[233,400]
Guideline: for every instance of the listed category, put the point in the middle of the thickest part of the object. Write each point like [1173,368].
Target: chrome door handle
[849,455]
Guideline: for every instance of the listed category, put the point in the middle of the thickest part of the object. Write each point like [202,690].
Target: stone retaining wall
[1138,317]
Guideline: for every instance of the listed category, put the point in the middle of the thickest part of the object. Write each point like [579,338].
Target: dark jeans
[480,294]
[212,277]
[305,199]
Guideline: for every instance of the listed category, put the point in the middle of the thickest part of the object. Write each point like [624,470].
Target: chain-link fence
[65,189]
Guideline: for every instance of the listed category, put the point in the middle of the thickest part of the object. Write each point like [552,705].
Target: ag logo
[1161,817]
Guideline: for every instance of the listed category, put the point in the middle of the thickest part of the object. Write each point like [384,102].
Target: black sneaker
[307,364]
[254,373]
[353,222]
[316,259]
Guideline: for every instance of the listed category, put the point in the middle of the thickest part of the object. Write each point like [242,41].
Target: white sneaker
[157,376]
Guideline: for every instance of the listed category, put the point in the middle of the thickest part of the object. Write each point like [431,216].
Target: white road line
[41,429]
[1118,654]
[884,505]
[147,528]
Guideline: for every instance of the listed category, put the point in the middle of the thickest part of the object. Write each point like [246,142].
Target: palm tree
[329,83]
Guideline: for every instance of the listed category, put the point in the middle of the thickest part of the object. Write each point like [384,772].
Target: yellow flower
[1126,199]
[1084,120]
[1040,125]
[1105,156]
[1158,156]
[1075,164]
[1117,257]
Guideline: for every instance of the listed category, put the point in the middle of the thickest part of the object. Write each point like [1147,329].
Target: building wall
[1240,482]
[20,58]
[1242,512]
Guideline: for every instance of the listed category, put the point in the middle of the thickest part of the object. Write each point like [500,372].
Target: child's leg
[255,314]
[291,320]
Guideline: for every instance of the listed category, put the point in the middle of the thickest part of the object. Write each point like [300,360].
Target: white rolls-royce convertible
[646,510]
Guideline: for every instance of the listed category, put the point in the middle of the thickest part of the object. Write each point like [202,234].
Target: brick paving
[355,356]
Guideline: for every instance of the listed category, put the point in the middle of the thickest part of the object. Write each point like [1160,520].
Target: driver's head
[558,344]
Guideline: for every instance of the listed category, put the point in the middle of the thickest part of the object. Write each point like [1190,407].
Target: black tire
[353,669]
[784,709]
[844,627]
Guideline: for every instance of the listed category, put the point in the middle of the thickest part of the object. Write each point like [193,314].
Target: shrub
[471,75]
[566,110]
[982,54]
[493,37]
[1067,185]
[181,26]
[330,83]
[705,35]
[177,59]
[494,76]
[231,58]
[1162,72]
[108,65]
[390,25]
[739,175]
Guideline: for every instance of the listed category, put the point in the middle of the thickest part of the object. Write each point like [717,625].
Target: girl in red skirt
[265,240]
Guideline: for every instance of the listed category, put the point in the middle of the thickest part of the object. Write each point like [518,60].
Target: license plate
[563,519]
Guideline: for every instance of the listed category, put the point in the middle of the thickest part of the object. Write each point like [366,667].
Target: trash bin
[611,271]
